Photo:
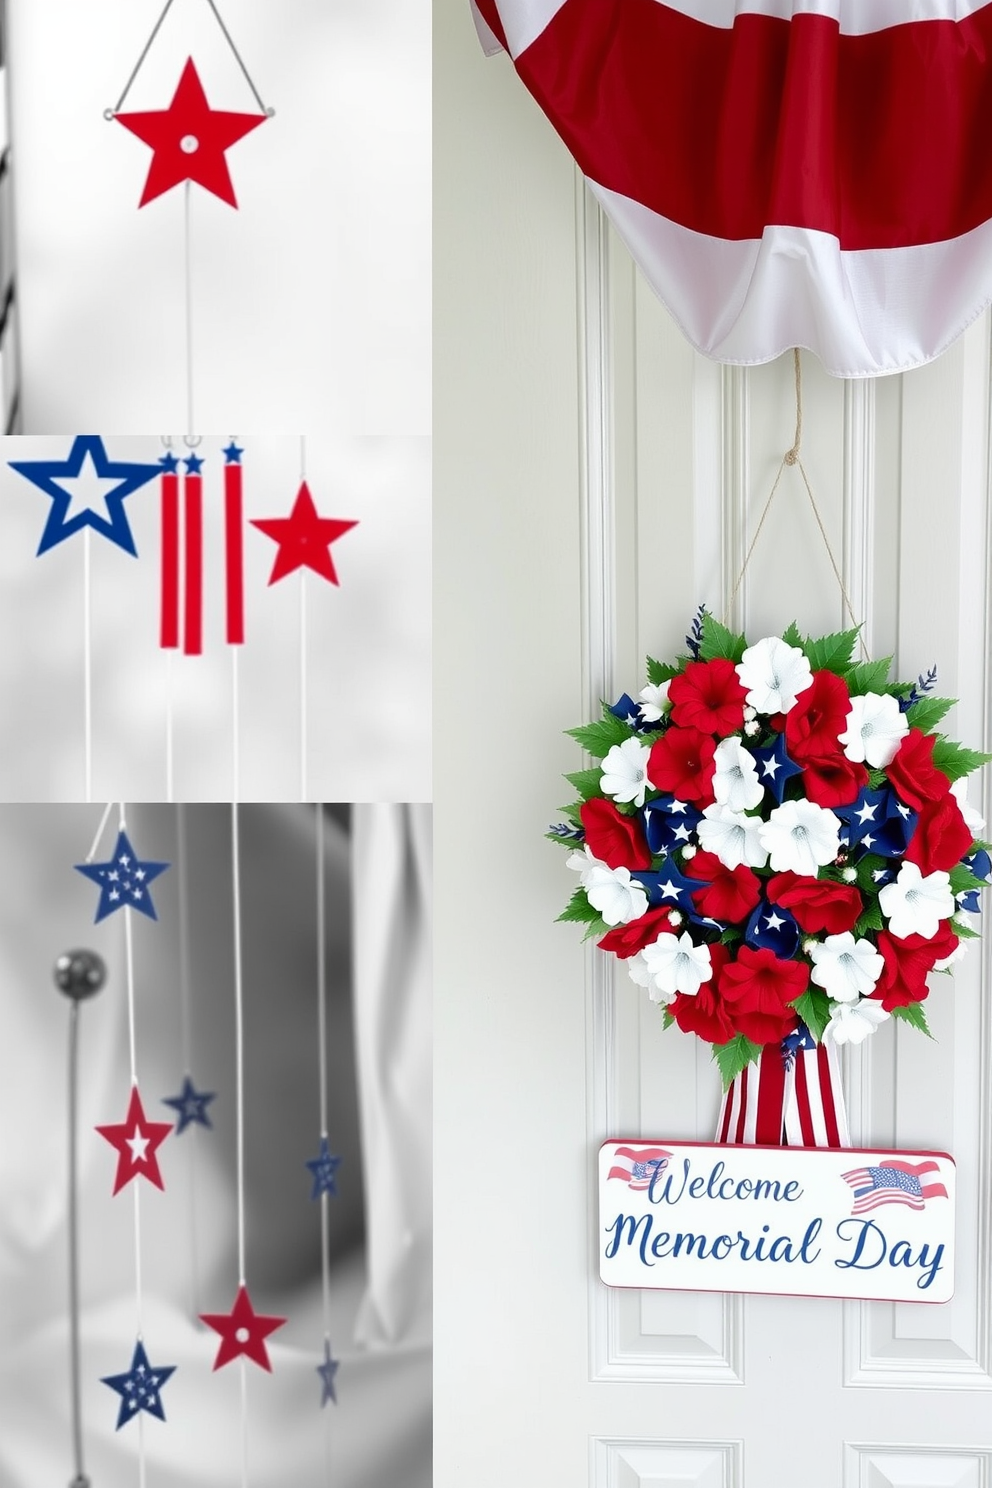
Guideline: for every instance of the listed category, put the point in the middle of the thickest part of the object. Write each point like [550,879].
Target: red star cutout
[189,139]
[242,1331]
[137,1141]
[304,538]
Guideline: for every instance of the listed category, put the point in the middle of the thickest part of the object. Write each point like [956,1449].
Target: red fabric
[193,621]
[732,892]
[758,989]
[817,903]
[771,1098]
[941,838]
[803,1105]
[615,839]
[234,554]
[908,962]
[827,1096]
[682,762]
[169,626]
[833,780]
[913,773]
[704,1013]
[708,696]
[878,139]
[818,716]
[626,940]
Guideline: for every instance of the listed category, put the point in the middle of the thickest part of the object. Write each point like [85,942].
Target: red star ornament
[304,538]
[136,1140]
[189,139]
[242,1331]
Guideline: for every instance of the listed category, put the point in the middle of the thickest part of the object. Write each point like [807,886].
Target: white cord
[303,686]
[235,728]
[170,784]
[100,831]
[244,1422]
[190,429]
[87,671]
[239,1038]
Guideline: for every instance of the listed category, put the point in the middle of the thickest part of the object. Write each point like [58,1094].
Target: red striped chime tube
[193,515]
[169,627]
[792,1097]
[234,545]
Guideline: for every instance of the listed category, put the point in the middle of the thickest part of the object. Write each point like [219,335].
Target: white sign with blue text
[800,1221]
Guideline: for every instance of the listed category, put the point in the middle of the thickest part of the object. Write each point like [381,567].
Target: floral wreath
[776,842]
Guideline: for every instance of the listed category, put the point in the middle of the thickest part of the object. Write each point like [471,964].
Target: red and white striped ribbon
[777,1106]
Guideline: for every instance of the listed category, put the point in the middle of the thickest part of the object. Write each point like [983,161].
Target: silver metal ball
[80,974]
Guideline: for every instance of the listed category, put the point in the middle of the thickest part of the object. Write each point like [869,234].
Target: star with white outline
[327,1371]
[60,525]
[123,880]
[191,1105]
[140,1388]
[324,1168]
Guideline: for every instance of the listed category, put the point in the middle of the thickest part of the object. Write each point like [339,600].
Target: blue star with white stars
[123,880]
[324,1168]
[327,1371]
[669,823]
[879,822]
[60,525]
[233,454]
[775,767]
[773,929]
[191,1105]
[193,464]
[140,1388]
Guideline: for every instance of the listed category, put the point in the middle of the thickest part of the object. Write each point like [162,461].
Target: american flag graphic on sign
[638,1165]
[894,1182]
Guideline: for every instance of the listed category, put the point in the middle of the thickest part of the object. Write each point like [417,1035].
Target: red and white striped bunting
[773,1105]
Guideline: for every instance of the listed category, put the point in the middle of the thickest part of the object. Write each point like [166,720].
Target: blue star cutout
[669,886]
[191,1105]
[775,767]
[123,879]
[44,473]
[140,1388]
[879,821]
[193,464]
[169,463]
[233,454]
[327,1371]
[323,1169]
[669,823]
[772,929]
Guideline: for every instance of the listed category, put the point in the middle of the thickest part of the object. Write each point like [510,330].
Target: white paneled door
[595,481]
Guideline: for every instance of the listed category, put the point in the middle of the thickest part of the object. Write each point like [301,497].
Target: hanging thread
[791,457]
[190,426]
[109,113]
[239,1039]
[87,673]
[304,726]
[325,1258]
[186,1046]
[136,1187]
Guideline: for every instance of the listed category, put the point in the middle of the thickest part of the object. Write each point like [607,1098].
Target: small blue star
[193,464]
[123,879]
[59,526]
[327,1371]
[169,463]
[323,1169]
[140,1388]
[668,886]
[191,1105]
[233,454]
[775,767]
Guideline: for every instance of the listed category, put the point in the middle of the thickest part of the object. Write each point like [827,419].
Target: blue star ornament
[773,929]
[775,767]
[123,880]
[191,1105]
[668,886]
[193,464]
[232,453]
[327,1371]
[879,822]
[669,823]
[324,1168]
[88,465]
[140,1388]
[169,463]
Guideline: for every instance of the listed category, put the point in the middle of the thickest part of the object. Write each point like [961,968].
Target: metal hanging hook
[192,440]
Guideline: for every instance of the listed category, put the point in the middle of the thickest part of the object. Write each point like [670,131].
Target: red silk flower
[817,903]
[615,839]
[913,773]
[833,780]
[818,716]
[757,989]
[626,940]
[731,893]
[705,1014]
[907,964]
[682,762]
[941,838]
[708,696]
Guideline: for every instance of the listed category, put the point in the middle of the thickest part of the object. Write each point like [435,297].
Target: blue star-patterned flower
[169,463]
[770,928]
[194,464]
[191,1105]
[800,1038]
[123,880]
[45,473]
[323,1167]
[879,822]
[669,886]
[669,823]
[775,767]
[140,1388]
[327,1371]
[233,454]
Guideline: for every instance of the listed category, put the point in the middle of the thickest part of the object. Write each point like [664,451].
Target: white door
[595,481]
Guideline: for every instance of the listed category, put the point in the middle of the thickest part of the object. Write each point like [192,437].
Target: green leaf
[955,760]
[667,1017]
[660,671]
[586,782]
[871,919]
[927,712]
[963,879]
[791,636]
[965,932]
[814,1009]
[718,641]
[867,676]
[596,929]
[730,935]
[573,812]
[579,910]
[734,1056]
[831,653]
[914,1015]
[866,866]
[565,841]
[599,738]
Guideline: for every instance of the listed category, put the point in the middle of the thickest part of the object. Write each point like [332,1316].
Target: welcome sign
[811,1222]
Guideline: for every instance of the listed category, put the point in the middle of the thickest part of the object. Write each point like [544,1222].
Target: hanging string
[791,457]
[87,673]
[238,1039]
[170,785]
[110,112]
[235,729]
[100,831]
[303,647]
[189,315]
[186,1046]
[135,1187]
[325,1258]
[129,947]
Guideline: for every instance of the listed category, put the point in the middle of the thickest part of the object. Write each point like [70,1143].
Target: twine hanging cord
[111,113]
[793,456]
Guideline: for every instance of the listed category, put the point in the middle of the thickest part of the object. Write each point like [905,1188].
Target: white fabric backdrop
[379,1434]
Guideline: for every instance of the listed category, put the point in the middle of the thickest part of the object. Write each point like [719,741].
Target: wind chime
[125,880]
